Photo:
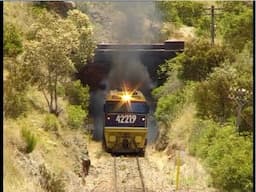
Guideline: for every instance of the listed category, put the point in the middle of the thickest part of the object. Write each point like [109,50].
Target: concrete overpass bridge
[107,55]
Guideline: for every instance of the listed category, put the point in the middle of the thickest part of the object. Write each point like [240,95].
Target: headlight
[112,138]
[138,139]
[126,97]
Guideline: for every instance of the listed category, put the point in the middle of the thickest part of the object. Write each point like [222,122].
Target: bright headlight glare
[126,97]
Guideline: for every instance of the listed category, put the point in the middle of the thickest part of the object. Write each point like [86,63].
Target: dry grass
[181,127]
[15,177]
[49,149]
[193,176]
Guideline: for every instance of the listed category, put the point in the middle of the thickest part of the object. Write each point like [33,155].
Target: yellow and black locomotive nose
[125,144]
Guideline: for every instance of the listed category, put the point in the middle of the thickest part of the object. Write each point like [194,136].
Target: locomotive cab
[125,125]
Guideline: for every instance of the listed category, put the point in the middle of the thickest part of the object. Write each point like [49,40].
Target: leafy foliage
[172,84]
[78,94]
[15,90]
[48,55]
[220,97]
[199,59]
[76,116]
[236,23]
[12,40]
[29,138]
[187,13]
[227,156]
[223,79]
[212,96]
[169,105]
[51,123]
[203,27]
[86,45]
[15,103]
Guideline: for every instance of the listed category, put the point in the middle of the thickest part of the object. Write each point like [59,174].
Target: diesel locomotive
[125,122]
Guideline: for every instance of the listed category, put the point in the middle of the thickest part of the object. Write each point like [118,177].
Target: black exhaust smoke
[126,66]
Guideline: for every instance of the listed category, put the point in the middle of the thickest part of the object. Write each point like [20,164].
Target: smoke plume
[135,25]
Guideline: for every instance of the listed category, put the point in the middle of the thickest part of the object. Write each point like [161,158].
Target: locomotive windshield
[132,107]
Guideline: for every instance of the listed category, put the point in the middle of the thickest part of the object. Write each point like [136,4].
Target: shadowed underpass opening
[135,65]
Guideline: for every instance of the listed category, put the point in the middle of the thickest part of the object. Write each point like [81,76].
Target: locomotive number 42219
[126,118]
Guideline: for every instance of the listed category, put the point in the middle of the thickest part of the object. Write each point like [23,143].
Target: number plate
[125,120]
[129,118]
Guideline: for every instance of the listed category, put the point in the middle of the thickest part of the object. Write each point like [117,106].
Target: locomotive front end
[125,126]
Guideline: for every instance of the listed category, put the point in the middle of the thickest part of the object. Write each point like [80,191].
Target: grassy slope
[21,170]
[59,153]
[192,174]
[182,126]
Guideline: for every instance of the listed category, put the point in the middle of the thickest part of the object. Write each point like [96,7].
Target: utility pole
[212,24]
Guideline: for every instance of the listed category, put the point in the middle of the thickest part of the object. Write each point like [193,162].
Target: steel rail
[141,175]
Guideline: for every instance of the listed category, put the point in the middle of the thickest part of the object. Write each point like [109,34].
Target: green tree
[86,44]
[227,92]
[198,60]
[236,23]
[47,56]
[212,96]
[187,13]
[203,27]
[241,92]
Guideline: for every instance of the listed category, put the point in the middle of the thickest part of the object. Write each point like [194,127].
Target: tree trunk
[47,100]
[51,110]
[56,97]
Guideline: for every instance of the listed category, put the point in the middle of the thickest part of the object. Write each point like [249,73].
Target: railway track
[128,175]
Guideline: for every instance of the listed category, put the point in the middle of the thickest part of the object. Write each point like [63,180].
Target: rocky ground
[56,164]
[159,170]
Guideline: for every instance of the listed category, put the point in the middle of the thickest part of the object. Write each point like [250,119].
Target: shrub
[76,116]
[29,139]
[169,105]
[78,94]
[12,40]
[50,181]
[240,15]
[51,123]
[16,86]
[15,104]
[199,59]
[220,96]
[212,96]
[227,156]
